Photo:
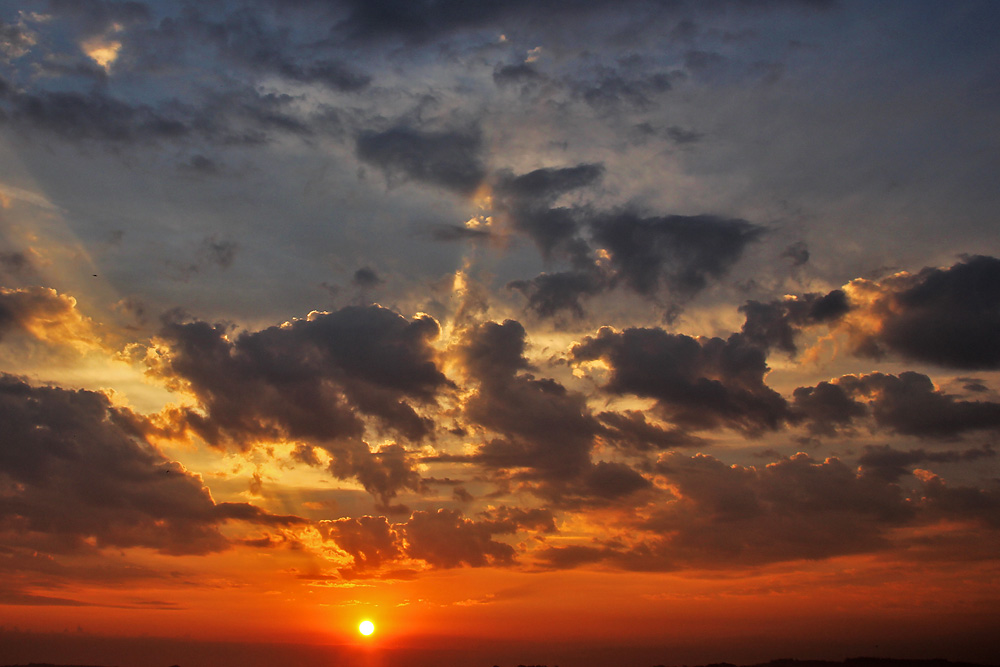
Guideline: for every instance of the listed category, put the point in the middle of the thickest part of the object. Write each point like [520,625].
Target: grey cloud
[74,469]
[446,232]
[542,426]
[370,541]
[96,16]
[446,539]
[697,383]
[827,408]
[775,324]
[681,136]
[893,464]
[15,40]
[909,404]
[546,185]
[14,263]
[93,116]
[450,159]
[312,381]
[365,277]
[630,432]
[678,252]
[519,74]
[612,90]
[221,252]
[724,515]
[551,293]
[949,317]
[797,252]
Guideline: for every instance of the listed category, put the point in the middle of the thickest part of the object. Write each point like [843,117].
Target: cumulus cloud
[775,324]
[698,383]
[894,463]
[441,539]
[450,159]
[313,381]
[46,315]
[723,515]
[678,252]
[949,317]
[74,474]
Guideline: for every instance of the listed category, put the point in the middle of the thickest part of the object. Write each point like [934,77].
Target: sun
[366,628]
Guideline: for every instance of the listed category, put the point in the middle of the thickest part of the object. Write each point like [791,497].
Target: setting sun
[366,628]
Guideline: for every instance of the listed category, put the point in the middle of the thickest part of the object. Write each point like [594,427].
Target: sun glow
[366,628]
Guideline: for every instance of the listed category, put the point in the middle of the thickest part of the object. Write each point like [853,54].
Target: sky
[572,332]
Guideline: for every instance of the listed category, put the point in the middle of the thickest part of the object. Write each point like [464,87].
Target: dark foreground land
[784,662]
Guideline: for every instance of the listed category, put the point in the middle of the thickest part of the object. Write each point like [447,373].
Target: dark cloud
[220,252]
[724,515]
[442,539]
[551,293]
[370,542]
[697,383]
[93,116]
[611,90]
[516,75]
[74,473]
[542,426]
[14,263]
[313,381]
[893,464]
[827,408]
[630,432]
[910,404]
[97,16]
[15,40]
[446,539]
[949,317]
[797,252]
[527,200]
[538,433]
[450,159]
[446,232]
[365,277]
[775,324]
[544,186]
[678,252]
[424,20]
[681,136]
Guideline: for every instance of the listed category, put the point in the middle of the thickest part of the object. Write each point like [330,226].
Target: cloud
[551,293]
[450,159]
[76,475]
[365,277]
[678,252]
[445,539]
[949,317]
[370,542]
[698,383]
[542,427]
[528,202]
[441,539]
[93,116]
[910,404]
[313,381]
[775,324]
[723,515]
[516,75]
[612,90]
[893,464]
[47,316]
[630,432]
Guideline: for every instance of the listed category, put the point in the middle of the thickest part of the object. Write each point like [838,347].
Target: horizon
[563,332]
